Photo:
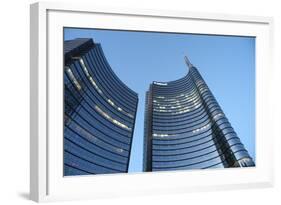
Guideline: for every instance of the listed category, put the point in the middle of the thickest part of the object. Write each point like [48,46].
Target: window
[108,117]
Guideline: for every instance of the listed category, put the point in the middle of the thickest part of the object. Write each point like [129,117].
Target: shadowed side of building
[99,112]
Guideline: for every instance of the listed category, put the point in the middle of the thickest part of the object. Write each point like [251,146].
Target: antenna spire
[188,62]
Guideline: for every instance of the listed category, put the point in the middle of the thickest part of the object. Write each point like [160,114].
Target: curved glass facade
[185,128]
[99,112]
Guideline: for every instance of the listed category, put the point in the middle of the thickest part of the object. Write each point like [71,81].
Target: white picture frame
[46,26]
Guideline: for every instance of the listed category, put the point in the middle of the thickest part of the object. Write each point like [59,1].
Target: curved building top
[78,46]
[170,83]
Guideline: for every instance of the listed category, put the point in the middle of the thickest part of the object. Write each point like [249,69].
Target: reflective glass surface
[185,128]
[98,121]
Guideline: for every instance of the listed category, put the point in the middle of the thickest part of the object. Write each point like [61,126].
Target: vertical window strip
[73,78]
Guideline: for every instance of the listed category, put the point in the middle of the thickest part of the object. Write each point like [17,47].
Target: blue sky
[227,64]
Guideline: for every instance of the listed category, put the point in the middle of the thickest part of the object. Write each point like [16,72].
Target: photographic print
[141,101]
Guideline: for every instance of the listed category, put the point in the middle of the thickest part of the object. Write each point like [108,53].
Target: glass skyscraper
[99,112]
[185,128]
